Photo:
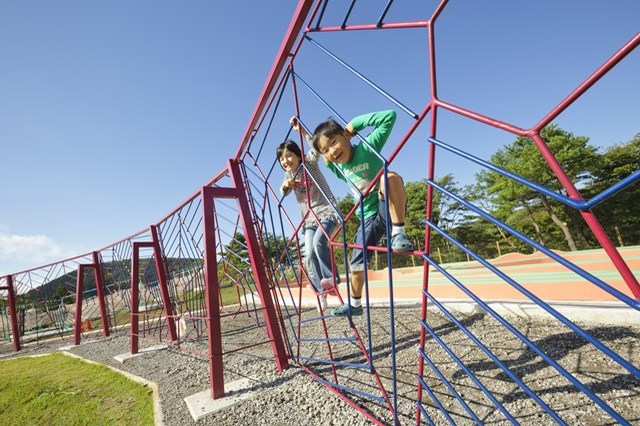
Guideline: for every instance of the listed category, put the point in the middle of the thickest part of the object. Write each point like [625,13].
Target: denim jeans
[318,254]
[374,228]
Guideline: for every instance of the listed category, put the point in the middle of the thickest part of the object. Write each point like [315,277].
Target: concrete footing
[202,404]
[123,357]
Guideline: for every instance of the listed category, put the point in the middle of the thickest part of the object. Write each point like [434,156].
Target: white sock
[397,229]
[323,301]
[356,302]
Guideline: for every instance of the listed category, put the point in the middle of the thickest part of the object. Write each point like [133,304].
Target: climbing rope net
[235,249]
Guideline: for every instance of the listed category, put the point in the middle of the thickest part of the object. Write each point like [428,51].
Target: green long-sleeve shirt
[365,164]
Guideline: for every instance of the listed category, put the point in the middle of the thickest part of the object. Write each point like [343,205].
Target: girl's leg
[311,262]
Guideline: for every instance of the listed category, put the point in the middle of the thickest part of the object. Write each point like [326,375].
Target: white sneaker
[322,302]
[182,325]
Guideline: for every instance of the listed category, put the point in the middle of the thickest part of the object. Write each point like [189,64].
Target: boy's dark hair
[289,145]
[327,128]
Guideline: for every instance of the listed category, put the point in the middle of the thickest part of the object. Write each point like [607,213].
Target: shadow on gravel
[618,382]
[557,347]
[410,340]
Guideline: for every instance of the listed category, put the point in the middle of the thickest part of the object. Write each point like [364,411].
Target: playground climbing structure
[233,248]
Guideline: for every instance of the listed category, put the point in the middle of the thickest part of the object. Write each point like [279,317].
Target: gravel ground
[293,397]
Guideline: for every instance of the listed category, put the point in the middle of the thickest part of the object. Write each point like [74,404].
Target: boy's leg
[357,283]
[374,229]
[397,197]
[397,211]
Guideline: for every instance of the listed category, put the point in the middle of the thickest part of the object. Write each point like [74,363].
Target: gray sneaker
[399,242]
[343,310]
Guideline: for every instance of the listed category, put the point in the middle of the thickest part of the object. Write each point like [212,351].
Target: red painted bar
[135,295]
[297,21]
[13,313]
[78,319]
[429,200]
[360,27]
[593,79]
[482,118]
[257,264]
[591,220]
[135,299]
[212,289]
[162,281]
[97,273]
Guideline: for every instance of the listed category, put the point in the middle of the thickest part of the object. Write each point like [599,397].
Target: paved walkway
[541,275]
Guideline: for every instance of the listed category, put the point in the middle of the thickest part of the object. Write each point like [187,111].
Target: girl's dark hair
[289,145]
[328,128]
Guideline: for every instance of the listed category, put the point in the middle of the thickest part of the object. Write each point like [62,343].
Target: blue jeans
[317,252]
[374,228]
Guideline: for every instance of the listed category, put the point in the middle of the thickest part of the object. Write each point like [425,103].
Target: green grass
[59,390]
[228,293]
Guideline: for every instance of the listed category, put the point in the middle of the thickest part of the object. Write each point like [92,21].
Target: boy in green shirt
[360,164]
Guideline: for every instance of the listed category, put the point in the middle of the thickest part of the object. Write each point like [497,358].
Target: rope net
[236,250]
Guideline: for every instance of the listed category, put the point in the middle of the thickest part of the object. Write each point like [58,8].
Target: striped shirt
[320,205]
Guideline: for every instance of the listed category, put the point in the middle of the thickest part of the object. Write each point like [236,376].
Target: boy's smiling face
[336,148]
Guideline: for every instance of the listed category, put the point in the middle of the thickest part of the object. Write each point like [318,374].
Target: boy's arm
[383,122]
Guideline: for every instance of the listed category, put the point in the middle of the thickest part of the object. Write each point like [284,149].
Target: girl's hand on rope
[287,184]
[293,121]
[295,124]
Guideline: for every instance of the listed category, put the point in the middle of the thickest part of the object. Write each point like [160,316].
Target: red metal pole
[135,295]
[297,21]
[78,320]
[164,288]
[97,273]
[212,289]
[429,200]
[13,313]
[257,264]
[135,299]
[592,222]
[593,79]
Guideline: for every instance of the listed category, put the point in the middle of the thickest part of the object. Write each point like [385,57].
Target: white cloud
[19,252]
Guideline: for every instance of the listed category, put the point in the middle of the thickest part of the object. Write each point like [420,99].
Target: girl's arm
[293,121]
[287,185]
[312,155]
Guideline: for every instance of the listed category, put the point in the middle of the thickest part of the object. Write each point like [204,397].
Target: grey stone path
[294,398]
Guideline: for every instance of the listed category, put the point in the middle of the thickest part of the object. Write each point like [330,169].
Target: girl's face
[289,161]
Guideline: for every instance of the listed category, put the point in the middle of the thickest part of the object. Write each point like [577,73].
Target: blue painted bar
[446,382]
[635,304]
[363,78]
[468,372]
[425,415]
[352,390]
[495,359]
[528,342]
[364,367]
[331,339]
[575,204]
[435,399]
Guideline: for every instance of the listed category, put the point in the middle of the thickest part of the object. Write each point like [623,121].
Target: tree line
[546,221]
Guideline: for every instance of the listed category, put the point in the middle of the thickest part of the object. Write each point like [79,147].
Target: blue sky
[114,112]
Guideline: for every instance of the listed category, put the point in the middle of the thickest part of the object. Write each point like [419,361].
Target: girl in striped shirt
[315,191]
